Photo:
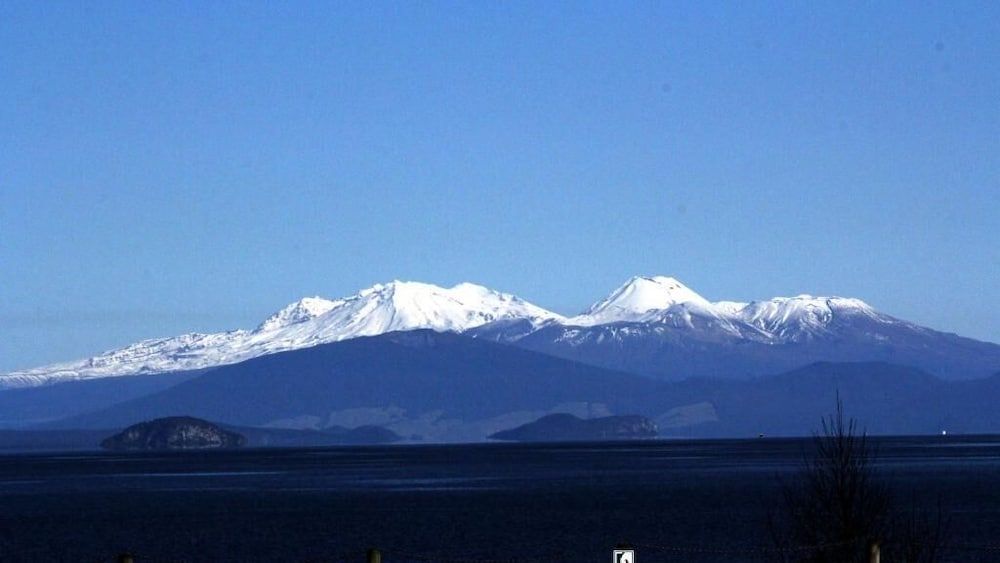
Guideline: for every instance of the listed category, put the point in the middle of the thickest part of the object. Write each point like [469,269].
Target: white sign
[623,556]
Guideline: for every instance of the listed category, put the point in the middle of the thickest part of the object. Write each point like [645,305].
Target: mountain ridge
[657,315]
[379,309]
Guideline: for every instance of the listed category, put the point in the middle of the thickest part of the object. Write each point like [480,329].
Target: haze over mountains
[654,326]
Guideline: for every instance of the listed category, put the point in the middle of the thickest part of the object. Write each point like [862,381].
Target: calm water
[462,502]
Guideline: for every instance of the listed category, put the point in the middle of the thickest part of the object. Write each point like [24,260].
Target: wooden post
[875,554]
[374,556]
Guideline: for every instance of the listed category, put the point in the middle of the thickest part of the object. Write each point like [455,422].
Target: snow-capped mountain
[654,326]
[640,299]
[667,301]
[787,319]
[658,327]
[394,306]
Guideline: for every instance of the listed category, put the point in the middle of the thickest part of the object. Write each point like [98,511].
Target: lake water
[673,501]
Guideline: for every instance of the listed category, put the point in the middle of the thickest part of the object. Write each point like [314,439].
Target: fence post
[875,553]
[374,556]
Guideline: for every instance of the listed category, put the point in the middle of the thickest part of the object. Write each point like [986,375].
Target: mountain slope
[438,385]
[29,406]
[433,386]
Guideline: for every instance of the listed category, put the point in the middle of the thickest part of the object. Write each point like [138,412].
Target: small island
[173,433]
[567,428]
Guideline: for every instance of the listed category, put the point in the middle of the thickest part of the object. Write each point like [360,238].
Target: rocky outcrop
[566,427]
[173,433]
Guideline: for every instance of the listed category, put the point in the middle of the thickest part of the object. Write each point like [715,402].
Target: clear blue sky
[187,166]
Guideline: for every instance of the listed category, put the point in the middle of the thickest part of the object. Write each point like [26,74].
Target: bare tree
[838,503]
[839,506]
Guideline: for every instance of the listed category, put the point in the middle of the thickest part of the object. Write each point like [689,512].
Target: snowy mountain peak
[404,305]
[804,315]
[300,311]
[639,299]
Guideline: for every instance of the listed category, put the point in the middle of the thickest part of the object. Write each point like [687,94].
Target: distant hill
[174,433]
[433,386]
[567,428]
[885,398]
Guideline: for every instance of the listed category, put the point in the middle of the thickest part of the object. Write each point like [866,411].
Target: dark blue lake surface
[456,502]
